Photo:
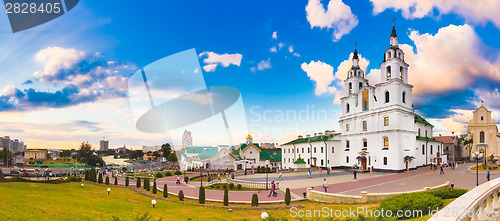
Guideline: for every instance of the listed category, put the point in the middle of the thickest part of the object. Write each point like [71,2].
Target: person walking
[178,180]
[441,172]
[354,172]
[328,170]
[320,171]
[325,185]
[280,176]
[488,175]
[371,171]
[310,173]
[272,190]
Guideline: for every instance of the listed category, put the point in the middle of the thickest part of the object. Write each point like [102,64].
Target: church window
[333,150]
[390,54]
[401,73]
[404,97]
[302,150]
[388,72]
[308,150]
[347,108]
[347,127]
[385,160]
[347,159]
[308,161]
[425,133]
[386,121]
[360,85]
[350,85]
[431,149]
[387,97]
[321,162]
[365,125]
[321,149]
[419,132]
[386,142]
[482,118]
[347,144]
[314,149]
[365,143]
[250,152]
[423,149]
[481,137]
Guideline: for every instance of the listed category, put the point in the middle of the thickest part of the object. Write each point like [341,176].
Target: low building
[146,149]
[121,149]
[35,154]
[450,147]
[251,155]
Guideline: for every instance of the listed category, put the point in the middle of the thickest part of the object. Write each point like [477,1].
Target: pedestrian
[371,171]
[441,172]
[354,172]
[325,185]
[218,177]
[178,180]
[320,171]
[328,170]
[310,173]
[280,176]
[456,165]
[488,175]
[272,190]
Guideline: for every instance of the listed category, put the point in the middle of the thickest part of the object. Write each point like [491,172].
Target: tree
[48,156]
[100,178]
[201,195]
[146,181]
[172,157]
[7,157]
[126,181]
[87,177]
[154,187]
[116,180]
[87,155]
[181,195]
[287,196]
[107,180]
[166,150]
[468,144]
[165,192]
[255,200]
[138,182]
[65,153]
[226,197]
[134,154]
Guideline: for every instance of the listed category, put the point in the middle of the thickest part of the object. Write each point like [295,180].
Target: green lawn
[68,201]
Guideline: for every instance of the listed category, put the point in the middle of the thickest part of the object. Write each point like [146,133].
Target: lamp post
[476,157]
[109,190]
[82,185]
[267,164]
[153,202]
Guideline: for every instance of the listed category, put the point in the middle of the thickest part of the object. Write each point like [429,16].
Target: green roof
[318,138]
[244,145]
[427,139]
[273,155]
[208,153]
[196,149]
[299,161]
[420,119]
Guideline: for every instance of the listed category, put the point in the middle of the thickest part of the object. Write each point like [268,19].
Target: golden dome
[249,136]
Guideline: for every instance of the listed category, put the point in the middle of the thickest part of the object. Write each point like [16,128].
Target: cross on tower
[393,19]
[355,43]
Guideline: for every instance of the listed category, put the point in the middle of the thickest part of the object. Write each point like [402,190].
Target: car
[14,172]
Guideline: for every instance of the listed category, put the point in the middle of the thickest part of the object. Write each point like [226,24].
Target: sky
[67,81]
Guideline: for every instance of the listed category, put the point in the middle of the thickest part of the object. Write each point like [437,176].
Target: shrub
[287,196]
[138,182]
[226,197]
[181,195]
[238,186]
[165,192]
[87,175]
[154,187]
[448,193]
[201,195]
[100,178]
[126,181]
[422,201]
[107,180]
[224,186]
[146,181]
[258,169]
[168,173]
[255,200]
[116,180]
[231,186]
[158,175]
[177,172]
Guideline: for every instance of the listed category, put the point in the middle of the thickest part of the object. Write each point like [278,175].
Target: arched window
[388,72]
[431,149]
[347,159]
[302,150]
[423,149]
[347,108]
[401,73]
[386,142]
[481,137]
[419,132]
[387,97]
[350,86]
[389,54]
[386,121]
[385,160]
[365,143]
[404,97]
[347,127]
[321,149]
[360,85]
[365,125]
[482,118]
[347,144]
[425,133]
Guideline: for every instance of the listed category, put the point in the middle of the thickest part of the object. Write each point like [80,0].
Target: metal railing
[253,185]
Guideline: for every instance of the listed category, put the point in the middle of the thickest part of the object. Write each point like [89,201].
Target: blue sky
[453,52]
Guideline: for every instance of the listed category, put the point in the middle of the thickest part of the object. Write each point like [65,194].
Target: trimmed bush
[138,182]
[238,186]
[226,197]
[100,178]
[154,187]
[126,181]
[181,195]
[87,177]
[165,191]
[158,175]
[255,200]
[422,201]
[116,180]
[107,180]
[231,186]
[201,195]
[146,181]
[168,173]
[448,193]
[288,198]
[177,172]
[224,186]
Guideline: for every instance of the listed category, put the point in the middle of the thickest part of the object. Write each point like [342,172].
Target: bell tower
[394,65]
[355,76]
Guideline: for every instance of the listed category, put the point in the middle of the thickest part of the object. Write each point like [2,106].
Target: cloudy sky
[65,81]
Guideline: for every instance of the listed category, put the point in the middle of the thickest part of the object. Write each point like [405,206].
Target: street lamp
[153,202]
[476,157]
[267,164]
[109,190]
[82,185]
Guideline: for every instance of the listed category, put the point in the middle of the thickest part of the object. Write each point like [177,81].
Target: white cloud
[338,16]
[321,73]
[475,11]
[296,54]
[213,60]
[275,35]
[273,49]
[55,59]
[489,97]
[346,65]
[262,65]
[290,49]
[281,44]
[253,69]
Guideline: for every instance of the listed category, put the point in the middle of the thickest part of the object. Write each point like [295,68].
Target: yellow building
[483,129]
[35,154]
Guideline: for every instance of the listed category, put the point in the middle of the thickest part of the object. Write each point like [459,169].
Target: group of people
[442,166]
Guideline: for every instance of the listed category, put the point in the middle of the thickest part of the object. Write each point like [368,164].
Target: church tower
[394,65]
[355,76]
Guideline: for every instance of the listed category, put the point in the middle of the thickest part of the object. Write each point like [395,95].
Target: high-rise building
[187,140]
[6,143]
[104,145]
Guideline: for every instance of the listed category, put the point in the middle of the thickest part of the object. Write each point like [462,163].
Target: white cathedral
[378,126]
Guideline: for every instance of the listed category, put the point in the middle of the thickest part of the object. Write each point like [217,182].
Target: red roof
[445,139]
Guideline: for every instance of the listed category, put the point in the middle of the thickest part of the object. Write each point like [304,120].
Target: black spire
[394,32]
[355,51]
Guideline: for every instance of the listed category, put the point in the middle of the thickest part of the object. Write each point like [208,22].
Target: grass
[482,167]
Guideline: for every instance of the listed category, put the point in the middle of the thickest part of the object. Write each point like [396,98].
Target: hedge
[255,200]
[181,195]
[226,197]
[448,193]
[138,182]
[421,201]
[126,181]
[154,187]
[287,196]
[165,192]
[100,178]
[107,180]
[201,195]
